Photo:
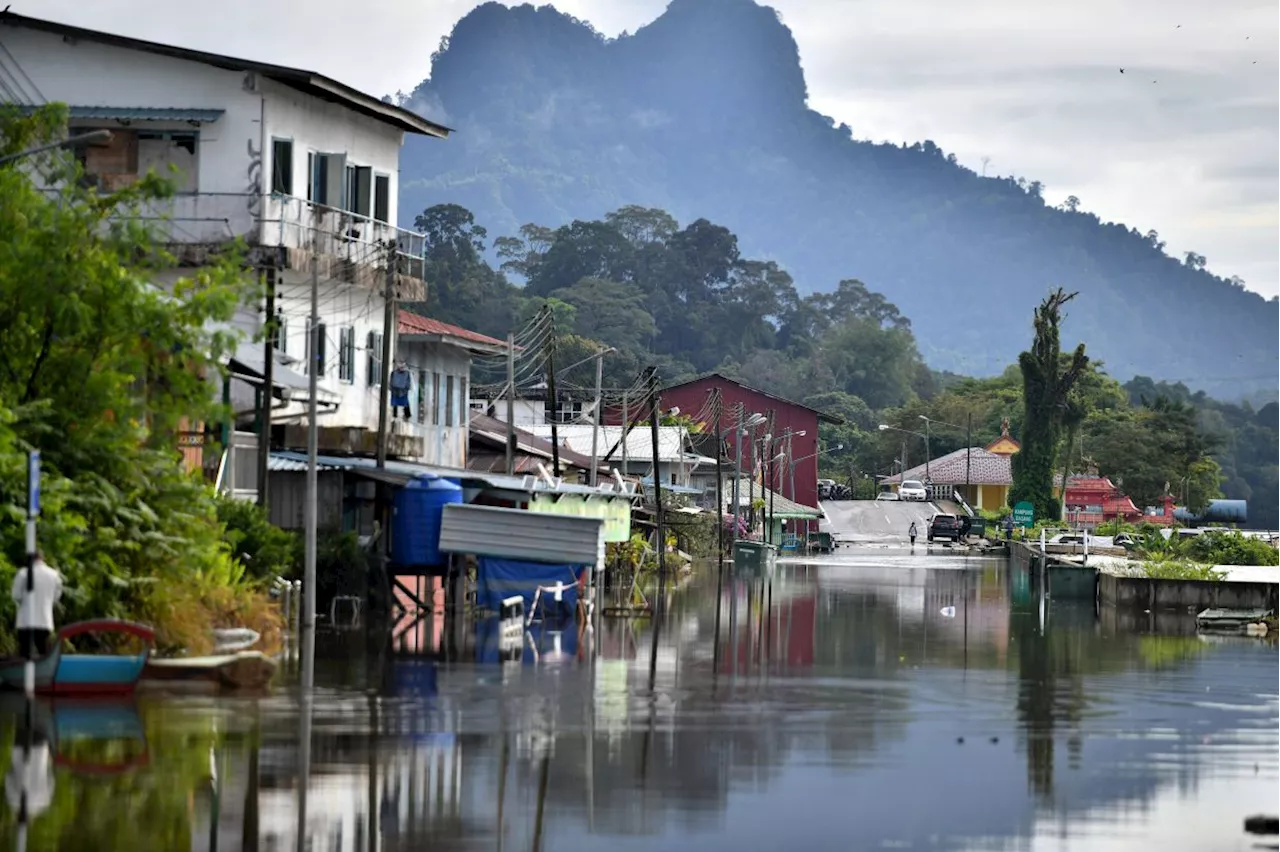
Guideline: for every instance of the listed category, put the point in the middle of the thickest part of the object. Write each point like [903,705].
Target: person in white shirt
[35,606]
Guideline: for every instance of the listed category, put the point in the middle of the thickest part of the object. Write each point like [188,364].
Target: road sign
[33,484]
[1024,514]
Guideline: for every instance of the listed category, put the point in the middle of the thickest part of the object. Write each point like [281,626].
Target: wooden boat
[61,673]
[245,671]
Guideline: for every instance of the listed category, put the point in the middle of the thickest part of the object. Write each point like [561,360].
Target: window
[374,351]
[422,396]
[130,154]
[464,403]
[347,355]
[321,338]
[449,401]
[325,178]
[437,413]
[282,333]
[282,166]
[382,198]
[359,190]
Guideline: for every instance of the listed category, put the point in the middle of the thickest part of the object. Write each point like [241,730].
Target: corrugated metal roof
[672,441]
[497,481]
[518,534]
[782,506]
[197,114]
[310,82]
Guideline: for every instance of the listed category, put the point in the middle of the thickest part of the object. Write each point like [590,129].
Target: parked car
[887,495]
[913,489]
[946,526]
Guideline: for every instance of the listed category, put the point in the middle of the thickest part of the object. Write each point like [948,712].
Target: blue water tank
[1217,512]
[415,528]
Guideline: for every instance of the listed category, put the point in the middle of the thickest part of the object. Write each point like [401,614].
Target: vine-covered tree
[1047,382]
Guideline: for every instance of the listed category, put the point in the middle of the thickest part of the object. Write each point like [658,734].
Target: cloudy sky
[1185,142]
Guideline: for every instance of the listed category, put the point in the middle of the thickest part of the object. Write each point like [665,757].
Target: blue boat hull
[84,674]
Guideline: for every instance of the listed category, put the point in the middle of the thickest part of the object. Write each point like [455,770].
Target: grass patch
[1180,569]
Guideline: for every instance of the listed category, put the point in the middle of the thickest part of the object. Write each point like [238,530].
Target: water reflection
[857,703]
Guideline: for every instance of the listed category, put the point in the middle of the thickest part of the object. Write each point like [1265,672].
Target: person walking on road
[35,606]
[911,533]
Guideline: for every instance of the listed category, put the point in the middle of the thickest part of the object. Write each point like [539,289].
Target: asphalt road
[877,521]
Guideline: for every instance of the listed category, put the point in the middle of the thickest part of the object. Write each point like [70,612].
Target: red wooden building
[692,396]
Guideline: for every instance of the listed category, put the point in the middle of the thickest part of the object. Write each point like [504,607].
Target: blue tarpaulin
[498,578]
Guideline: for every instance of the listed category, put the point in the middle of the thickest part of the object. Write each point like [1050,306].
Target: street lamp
[925,438]
[79,139]
[968,446]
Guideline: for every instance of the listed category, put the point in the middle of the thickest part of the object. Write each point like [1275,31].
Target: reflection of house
[982,475]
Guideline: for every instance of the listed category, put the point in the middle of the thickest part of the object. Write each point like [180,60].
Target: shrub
[1230,548]
[1180,569]
[265,550]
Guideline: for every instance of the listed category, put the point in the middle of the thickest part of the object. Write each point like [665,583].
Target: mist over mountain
[704,113]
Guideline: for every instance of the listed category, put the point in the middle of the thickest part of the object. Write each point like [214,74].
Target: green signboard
[1024,514]
[616,512]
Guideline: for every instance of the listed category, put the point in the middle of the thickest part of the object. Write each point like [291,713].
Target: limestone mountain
[704,113]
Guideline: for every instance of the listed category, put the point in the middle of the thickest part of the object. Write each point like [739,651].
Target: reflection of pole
[304,761]
[659,604]
[542,800]
[249,827]
[502,786]
[372,770]
[715,647]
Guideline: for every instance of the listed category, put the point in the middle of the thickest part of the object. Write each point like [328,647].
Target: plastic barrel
[415,528]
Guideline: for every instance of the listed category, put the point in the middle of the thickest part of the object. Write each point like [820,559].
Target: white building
[306,171]
[678,464]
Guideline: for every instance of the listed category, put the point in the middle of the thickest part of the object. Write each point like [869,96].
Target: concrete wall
[1145,593]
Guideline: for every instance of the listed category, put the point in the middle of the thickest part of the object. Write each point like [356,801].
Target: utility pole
[268,387]
[388,330]
[551,390]
[511,404]
[654,402]
[626,427]
[968,451]
[927,478]
[309,510]
[737,469]
[595,420]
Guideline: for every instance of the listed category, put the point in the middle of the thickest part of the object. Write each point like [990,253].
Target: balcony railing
[286,222]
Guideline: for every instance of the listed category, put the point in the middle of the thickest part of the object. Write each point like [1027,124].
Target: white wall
[319,126]
[90,74]
[233,152]
[444,432]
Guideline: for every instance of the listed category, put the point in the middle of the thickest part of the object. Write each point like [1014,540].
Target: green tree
[1047,384]
[100,369]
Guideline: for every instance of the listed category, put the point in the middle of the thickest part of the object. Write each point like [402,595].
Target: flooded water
[875,701]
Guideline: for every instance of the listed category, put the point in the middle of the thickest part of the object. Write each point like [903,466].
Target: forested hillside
[686,299]
[703,113]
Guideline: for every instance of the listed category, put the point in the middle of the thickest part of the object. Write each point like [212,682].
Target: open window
[382,198]
[130,154]
[282,166]
[347,354]
[374,351]
[326,181]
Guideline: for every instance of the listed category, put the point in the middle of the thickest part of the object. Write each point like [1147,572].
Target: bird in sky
[1121,70]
